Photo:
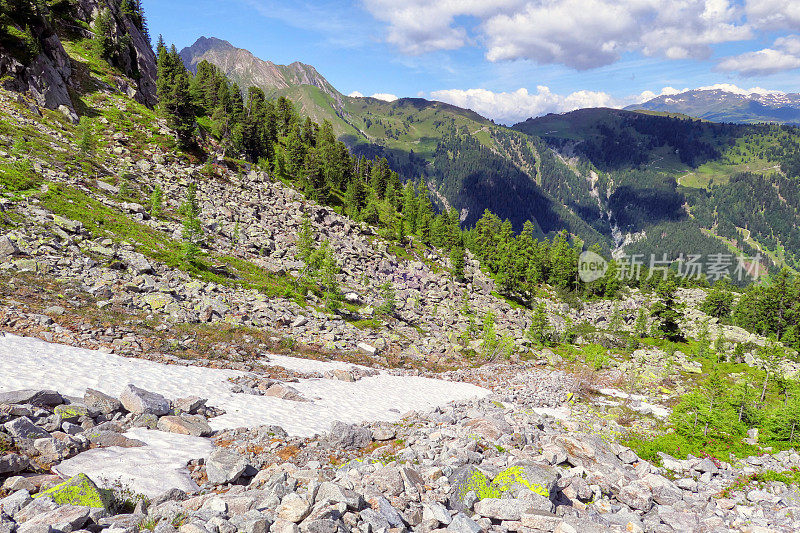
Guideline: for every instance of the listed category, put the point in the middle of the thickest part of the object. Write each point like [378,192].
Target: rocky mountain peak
[250,71]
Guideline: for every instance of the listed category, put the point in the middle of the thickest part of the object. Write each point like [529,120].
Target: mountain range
[630,181]
[719,105]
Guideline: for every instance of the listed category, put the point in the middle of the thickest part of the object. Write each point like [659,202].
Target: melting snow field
[27,363]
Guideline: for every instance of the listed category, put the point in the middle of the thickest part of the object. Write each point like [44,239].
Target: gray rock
[349,437]
[190,404]
[11,463]
[41,398]
[107,439]
[137,262]
[463,524]
[501,509]
[14,503]
[293,508]
[636,495]
[139,401]
[66,519]
[321,526]
[437,512]
[665,492]
[101,402]
[194,425]
[23,428]
[334,493]
[7,247]
[540,520]
[225,466]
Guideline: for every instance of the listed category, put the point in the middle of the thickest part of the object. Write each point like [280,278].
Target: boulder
[101,402]
[194,425]
[23,428]
[40,398]
[65,519]
[225,466]
[463,524]
[528,477]
[11,463]
[501,508]
[293,508]
[80,491]
[139,401]
[285,392]
[7,247]
[349,437]
[190,404]
[636,495]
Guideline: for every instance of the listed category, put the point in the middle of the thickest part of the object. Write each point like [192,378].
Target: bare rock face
[140,64]
[48,76]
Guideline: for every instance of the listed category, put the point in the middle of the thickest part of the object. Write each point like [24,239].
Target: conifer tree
[102,33]
[191,224]
[665,312]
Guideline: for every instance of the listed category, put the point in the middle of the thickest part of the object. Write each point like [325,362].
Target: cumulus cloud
[582,34]
[519,105]
[735,89]
[782,56]
[386,97]
[516,106]
[774,14]
[649,95]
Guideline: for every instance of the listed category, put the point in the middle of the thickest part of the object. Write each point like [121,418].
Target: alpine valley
[235,300]
[635,182]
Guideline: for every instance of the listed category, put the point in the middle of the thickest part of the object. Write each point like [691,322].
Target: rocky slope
[84,262]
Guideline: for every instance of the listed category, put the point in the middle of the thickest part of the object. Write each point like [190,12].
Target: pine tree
[156,201]
[410,206]
[191,224]
[457,261]
[540,325]
[665,312]
[424,213]
[329,269]
[389,305]
[104,42]
[305,242]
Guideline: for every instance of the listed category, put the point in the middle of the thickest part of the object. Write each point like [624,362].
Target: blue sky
[509,59]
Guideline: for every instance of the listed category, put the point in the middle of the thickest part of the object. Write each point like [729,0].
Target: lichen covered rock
[81,491]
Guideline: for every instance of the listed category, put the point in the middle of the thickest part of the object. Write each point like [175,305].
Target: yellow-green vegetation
[80,490]
[481,485]
[515,475]
[17,177]
[788,477]
[504,481]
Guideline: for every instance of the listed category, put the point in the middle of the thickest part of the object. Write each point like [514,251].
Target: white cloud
[735,89]
[386,97]
[519,105]
[784,55]
[774,14]
[649,95]
[513,107]
[582,34]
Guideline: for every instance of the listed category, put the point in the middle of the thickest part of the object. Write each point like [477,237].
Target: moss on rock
[79,490]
